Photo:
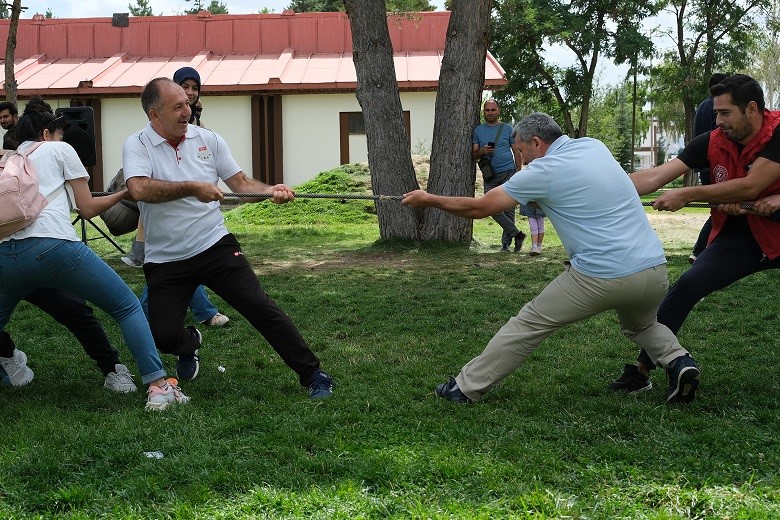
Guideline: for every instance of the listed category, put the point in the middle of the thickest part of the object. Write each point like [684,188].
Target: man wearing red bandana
[743,155]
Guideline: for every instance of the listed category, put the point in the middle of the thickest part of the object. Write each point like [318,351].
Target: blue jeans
[200,305]
[72,267]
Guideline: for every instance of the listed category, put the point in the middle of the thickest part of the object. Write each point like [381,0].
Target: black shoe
[321,386]
[684,376]
[632,381]
[188,365]
[451,392]
[519,239]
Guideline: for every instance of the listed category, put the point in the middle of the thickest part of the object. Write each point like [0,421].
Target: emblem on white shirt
[203,153]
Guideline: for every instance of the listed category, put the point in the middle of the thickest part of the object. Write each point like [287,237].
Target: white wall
[121,117]
[310,129]
[229,116]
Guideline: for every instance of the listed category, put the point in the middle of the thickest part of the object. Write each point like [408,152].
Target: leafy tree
[316,6]
[49,14]
[215,7]
[766,60]
[389,151]
[709,36]
[5,14]
[591,30]
[457,112]
[611,120]
[142,8]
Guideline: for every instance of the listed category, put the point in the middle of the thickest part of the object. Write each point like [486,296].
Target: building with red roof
[280,88]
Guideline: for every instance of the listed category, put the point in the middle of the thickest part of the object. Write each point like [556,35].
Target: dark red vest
[727,163]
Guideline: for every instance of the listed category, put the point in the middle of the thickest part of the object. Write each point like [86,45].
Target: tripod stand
[84,232]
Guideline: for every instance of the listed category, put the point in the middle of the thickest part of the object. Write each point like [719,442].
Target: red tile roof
[288,52]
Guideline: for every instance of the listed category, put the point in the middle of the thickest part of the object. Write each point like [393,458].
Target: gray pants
[505,219]
[573,297]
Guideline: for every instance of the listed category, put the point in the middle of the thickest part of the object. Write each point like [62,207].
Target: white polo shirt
[181,228]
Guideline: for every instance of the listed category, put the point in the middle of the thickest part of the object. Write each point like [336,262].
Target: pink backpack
[20,200]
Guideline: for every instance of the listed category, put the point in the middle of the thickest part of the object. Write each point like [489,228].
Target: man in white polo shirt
[172,169]
[616,260]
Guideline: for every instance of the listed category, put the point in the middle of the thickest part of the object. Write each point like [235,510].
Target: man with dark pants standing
[743,155]
[172,168]
[494,139]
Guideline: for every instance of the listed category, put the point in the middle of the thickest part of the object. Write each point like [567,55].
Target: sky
[608,72]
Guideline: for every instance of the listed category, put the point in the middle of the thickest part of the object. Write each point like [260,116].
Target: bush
[346,179]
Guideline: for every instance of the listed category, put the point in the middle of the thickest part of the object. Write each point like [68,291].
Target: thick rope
[339,196]
[358,196]
[744,205]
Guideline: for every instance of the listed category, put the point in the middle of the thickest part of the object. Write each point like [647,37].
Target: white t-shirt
[55,162]
[181,228]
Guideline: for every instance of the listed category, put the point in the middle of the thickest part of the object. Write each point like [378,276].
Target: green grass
[390,321]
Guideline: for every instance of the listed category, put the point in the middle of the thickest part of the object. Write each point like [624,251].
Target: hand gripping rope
[357,196]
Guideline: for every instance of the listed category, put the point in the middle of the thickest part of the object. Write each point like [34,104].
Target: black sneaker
[321,386]
[451,392]
[188,365]
[519,239]
[684,376]
[632,381]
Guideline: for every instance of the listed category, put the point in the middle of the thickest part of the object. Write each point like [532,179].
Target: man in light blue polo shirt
[616,260]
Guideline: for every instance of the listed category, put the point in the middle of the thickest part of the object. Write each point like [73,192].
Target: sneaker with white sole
[218,320]
[120,380]
[684,376]
[159,397]
[15,369]
[188,365]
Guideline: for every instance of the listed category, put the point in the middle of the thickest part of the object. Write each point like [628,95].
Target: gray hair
[151,96]
[537,124]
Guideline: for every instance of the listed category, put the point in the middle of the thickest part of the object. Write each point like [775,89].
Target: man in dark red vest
[743,155]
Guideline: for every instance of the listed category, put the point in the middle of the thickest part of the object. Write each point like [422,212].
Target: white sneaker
[535,251]
[218,320]
[17,373]
[159,397]
[120,380]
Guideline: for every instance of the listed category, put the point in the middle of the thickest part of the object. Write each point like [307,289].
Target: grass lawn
[389,322]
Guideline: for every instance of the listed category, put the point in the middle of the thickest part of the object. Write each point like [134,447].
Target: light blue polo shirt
[593,206]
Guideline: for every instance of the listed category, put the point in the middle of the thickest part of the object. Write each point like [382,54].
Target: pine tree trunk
[389,151]
[458,104]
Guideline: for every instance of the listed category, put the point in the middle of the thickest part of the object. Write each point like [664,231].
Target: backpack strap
[65,184]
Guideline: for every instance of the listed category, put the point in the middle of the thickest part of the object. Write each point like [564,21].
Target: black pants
[223,269]
[701,240]
[733,255]
[78,318]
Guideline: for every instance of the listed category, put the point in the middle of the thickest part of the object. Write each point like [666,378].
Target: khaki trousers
[570,298]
